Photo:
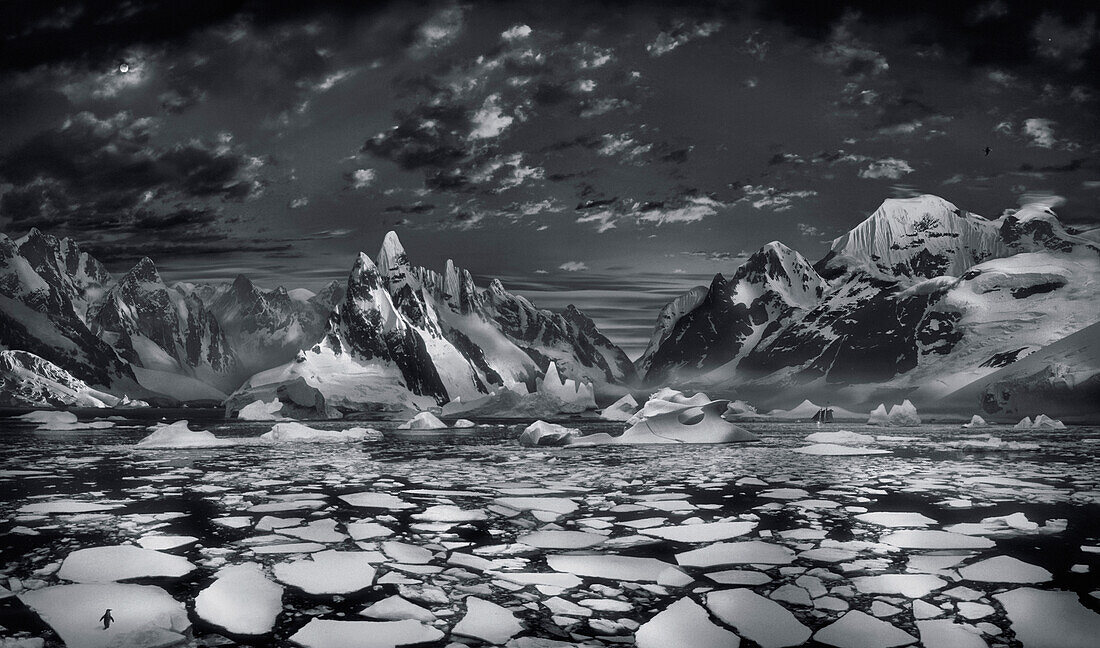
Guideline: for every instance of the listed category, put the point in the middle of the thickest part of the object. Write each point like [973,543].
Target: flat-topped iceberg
[694,424]
[291,432]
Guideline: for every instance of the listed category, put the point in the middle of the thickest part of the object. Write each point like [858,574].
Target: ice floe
[241,600]
[1005,569]
[908,585]
[561,539]
[1050,619]
[324,633]
[834,450]
[684,623]
[625,568]
[329,572]
[859,630]
[462,424]
[934,539]
[895,519]
[842,437]
[703,532]
[487,621]
[163,542]
[944,633]
[762,620]
[145,615]
[377,501]
[735,553]
[121,562]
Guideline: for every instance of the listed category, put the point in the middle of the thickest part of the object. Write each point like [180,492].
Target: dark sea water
[950,475]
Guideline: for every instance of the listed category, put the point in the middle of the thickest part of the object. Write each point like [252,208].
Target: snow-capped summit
[921,237]
[65,266]
[707,328]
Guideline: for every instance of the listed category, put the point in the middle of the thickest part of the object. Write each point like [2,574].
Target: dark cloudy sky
[606,154]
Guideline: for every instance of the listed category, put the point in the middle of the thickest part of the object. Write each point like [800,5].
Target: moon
[124,68]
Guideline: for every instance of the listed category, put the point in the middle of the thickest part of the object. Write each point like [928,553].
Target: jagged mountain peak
[392,259]
[144,272]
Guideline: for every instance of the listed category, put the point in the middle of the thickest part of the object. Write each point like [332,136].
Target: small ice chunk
[423,421]
[121,562]
[764,621]
[859,630]
[1005,569]
[317,531]
[368,530]
[144,615]
[241,600]
[684,618]
[488,622]
[323,633]
[404,552]
[395,608]
[739,577]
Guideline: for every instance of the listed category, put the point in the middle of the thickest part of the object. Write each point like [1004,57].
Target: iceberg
[260,411]
[178,435]
[552,396]
[152,617]
[691,424]
[299,433]
[620,410]
[569,391]
[976,421]
[462,424]
[900,415]
[423,421]
[541,433]
[1041,422]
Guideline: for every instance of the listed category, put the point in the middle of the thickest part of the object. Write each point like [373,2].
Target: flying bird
[987,150]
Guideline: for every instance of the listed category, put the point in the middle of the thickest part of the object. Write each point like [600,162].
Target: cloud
[516,32]
[682,32]
[846,51]
[687,210]
[438,31]
[106,174]
[299,202]
[1041,132]
[891,168]
[361,178]
[573,266]
[1043,200]
[490,120]
[761,197]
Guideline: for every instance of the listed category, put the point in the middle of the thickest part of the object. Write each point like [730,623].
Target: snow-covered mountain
[406,337]
[159,329]
[265,328]
[27,380]
[923,298]
[44,298]
[704,330]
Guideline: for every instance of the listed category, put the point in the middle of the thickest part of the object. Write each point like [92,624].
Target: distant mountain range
[921,300]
